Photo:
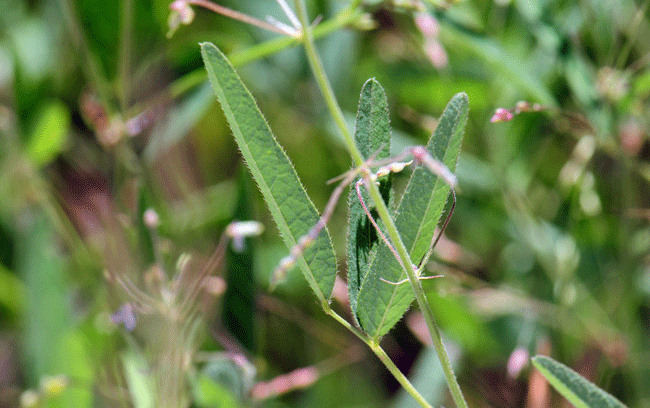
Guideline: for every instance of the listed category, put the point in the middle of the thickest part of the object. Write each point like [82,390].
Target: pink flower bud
[185,12]
[181,13]
[151,218]
[518,361]
[501,115]
[427,24]
[522,106]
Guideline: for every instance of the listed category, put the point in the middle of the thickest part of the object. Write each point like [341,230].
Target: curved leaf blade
[291,208]
[575,388]
[381,303]
[372,136]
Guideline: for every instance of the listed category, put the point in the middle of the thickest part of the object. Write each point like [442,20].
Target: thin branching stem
[306,240]
[346,16]
[435,240]
[236,15]
[390,246]
[383,357]
[382,209]
[192,295]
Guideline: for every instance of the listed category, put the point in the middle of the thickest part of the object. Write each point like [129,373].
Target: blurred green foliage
[102,116]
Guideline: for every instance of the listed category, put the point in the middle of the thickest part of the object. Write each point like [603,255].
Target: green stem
[383,357]
[94,73]
[382,209]
[420,297]
[324,84]
[401,378]
[346,16]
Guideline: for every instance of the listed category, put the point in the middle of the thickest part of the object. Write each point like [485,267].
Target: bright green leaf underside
[274,174]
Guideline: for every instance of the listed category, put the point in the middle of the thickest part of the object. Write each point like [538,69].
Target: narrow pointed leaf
[574,387]
[381,303]
[372,136]
[274,174]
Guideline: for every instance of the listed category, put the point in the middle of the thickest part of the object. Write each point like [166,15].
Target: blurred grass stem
[126,36]
[236,15]
[90,65]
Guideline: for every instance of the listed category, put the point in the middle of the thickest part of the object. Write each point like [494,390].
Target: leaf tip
[463,96]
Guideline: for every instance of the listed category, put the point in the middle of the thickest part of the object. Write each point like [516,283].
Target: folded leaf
[381,301]
[372,137]
[291,208]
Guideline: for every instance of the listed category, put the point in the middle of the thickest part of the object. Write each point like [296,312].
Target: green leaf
[459,323]
[208,393]
[288,202]
[75,362]
[381,303]
[428,377]
[236,380]
[12,292]
[372,136]
[138,379]
[575,388]
[49,135]
[47,306]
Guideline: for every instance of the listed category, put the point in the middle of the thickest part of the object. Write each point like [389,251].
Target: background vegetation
[102,117]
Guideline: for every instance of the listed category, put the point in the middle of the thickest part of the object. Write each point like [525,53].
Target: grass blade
[274,174]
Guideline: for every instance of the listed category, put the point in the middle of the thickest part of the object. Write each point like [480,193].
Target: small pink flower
[185,12]
[181,13]
[427,24]
[518,361]
[522,106]
[436,54]
[501,115]
[151,218]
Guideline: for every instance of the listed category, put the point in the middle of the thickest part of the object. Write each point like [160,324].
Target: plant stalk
[346,16]
[382,209]
[401,378]
[383,357]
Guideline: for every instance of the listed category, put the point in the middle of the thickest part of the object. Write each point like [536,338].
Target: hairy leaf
[372,136]
[274,174]
[381,301]
[575,388]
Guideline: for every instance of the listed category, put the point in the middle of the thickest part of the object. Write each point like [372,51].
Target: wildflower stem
[324,84]
[270,47]
[383,357]
[236,15]
[382,209]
